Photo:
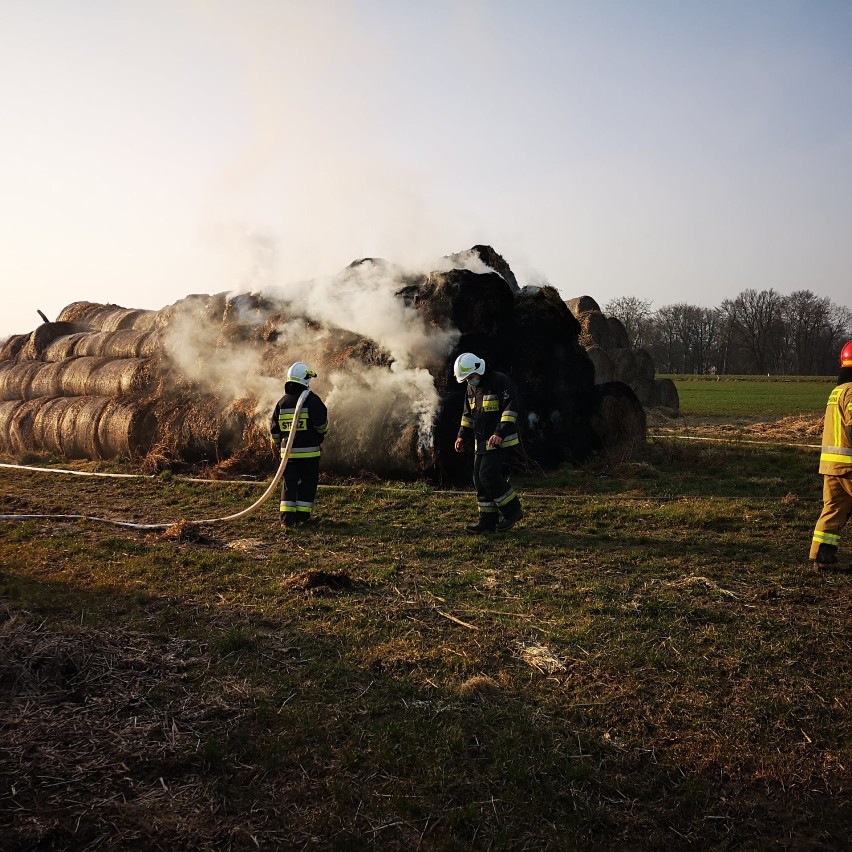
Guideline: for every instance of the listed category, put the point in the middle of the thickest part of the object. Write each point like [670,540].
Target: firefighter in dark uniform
[301,476]
[490,420]
[835,464]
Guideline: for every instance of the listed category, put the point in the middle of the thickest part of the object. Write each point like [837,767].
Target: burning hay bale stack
[608,346]
[193,383]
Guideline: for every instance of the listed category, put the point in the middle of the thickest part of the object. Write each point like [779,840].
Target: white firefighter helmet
[468,364]
[300,373]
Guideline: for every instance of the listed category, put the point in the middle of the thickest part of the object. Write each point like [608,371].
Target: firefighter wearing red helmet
[835,464]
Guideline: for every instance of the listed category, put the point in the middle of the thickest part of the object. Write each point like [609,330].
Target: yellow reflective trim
[836,458]
[826,538]
[490,404]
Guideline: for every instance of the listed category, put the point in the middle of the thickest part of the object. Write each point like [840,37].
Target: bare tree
[635,315]
[754,319]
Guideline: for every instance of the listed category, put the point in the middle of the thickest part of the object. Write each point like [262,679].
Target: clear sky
[674,150]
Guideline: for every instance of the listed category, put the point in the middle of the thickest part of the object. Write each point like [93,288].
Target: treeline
[758,332]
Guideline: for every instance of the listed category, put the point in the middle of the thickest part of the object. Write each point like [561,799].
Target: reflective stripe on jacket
[836,455]
[491,408]
[311,427]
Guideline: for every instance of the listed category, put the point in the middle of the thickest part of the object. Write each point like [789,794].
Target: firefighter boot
[487,523]
[826,555]
[513,514]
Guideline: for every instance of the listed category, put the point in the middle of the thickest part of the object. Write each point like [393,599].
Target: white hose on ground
[285,456]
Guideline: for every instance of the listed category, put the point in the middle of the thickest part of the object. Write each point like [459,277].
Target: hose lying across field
[236,516]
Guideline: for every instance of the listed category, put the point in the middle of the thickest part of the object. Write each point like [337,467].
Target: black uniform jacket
[311,428]
[491,408]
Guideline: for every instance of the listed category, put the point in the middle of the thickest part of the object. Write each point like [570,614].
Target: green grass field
[750,396]
[646,662]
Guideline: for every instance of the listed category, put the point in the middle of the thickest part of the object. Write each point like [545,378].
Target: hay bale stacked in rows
[106,381]
[76,387]
[608,345]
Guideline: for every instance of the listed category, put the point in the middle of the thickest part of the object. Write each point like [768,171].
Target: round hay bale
[618,421]
[80,312]
[618,333]
[93,344]
[646,391]
[125,429]
[75,377]
[119,377]
[581,305]
[8,409]
[47,423]
[78,428]
[643,364]
[21,430]
[119,319]
[602,364]
[148,321]
[624,365]
[594,330]
[16,379]
[667,394]
[125,343]
[44,335]
[12,346]
[63,347]
[48,380]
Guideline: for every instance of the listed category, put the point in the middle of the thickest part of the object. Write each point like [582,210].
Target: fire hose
[285,456]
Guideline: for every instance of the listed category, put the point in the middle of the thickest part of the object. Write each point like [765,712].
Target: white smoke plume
[381,412]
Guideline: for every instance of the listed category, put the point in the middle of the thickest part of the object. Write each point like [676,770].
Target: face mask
[473,381]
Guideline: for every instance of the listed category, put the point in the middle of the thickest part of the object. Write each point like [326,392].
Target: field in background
[646,662]
[753,396]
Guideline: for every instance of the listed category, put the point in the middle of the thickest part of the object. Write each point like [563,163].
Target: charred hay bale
[44,335]
[201,308]
[119,377]
[471,302]
[643,364]
[125,429]
[618,333]
[582,305]
[646,391]
[602,364]
[47,423]
[244,318]
[594,330]
[76,375]
[623,365]
[8,410]
[554,376]
[12,346]
[64,347]
[667,394]
[618,421]
[491,259]
[16,379]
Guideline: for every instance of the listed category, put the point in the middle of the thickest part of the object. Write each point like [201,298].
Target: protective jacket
[836,455]
[490,408]
[311,428]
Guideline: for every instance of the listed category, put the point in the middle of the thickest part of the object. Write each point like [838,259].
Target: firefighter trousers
[299,489]
[836,509]
[494,494]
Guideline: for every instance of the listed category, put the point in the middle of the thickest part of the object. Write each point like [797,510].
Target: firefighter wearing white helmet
[301,476]
[490,423]
[835,465]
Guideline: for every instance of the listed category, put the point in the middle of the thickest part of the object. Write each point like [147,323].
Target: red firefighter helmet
[846,354]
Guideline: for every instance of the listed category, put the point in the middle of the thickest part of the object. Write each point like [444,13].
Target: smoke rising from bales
[373,354]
